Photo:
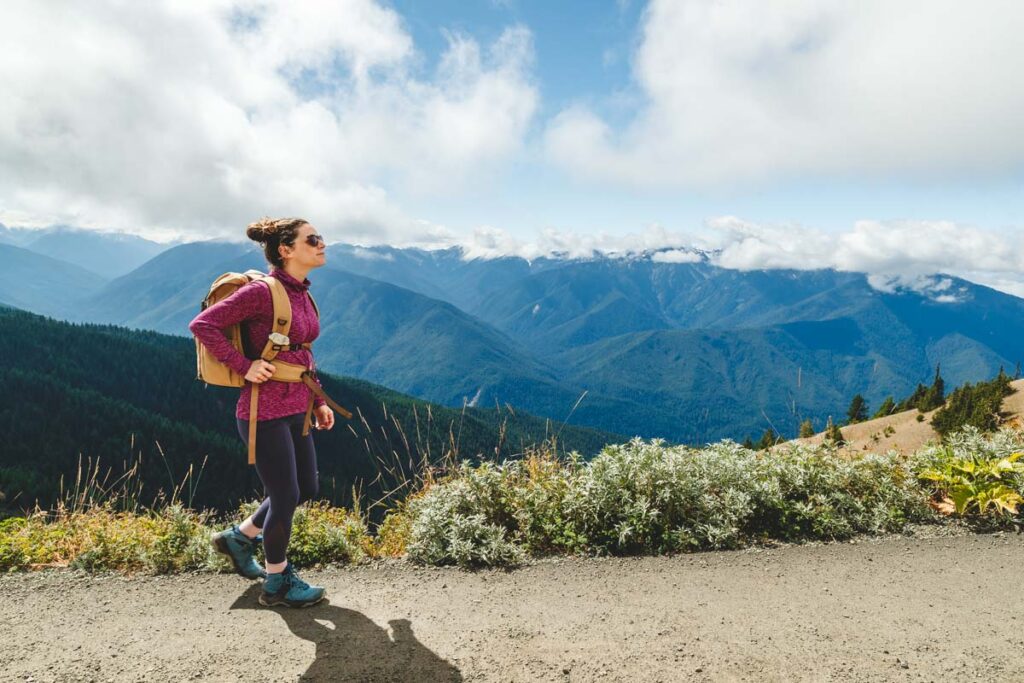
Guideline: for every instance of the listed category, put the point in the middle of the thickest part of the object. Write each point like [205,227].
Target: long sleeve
[317,401]
[246,303]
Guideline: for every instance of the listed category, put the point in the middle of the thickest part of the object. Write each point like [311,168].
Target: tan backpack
[212,371]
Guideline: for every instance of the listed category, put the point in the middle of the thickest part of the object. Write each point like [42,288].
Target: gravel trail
[893,609]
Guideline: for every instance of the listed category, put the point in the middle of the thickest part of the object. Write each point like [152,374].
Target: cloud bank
[893,254]
[201,116]
[744,91]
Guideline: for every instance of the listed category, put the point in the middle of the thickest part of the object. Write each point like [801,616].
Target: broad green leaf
[961,499]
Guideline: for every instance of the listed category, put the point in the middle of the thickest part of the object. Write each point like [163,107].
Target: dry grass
[104,521]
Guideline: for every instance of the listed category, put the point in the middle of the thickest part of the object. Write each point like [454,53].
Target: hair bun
[271,233]
[261,230]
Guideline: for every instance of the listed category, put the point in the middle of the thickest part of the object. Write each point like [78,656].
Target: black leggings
[286,463]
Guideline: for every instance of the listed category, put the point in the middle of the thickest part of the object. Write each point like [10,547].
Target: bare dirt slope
[898,609]
[903,432]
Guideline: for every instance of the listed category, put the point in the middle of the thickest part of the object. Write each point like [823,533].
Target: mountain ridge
[684,351]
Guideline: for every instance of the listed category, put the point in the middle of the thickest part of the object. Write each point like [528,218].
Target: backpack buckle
[279,339]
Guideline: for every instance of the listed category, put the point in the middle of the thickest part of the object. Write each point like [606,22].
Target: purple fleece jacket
[252,304]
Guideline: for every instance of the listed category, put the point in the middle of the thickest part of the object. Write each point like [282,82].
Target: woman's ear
[285,251]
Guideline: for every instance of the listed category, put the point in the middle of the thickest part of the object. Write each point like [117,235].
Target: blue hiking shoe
[288,589]
[240,549]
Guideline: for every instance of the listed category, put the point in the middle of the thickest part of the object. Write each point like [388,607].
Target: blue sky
[803,128]
[583,52]
[582,48]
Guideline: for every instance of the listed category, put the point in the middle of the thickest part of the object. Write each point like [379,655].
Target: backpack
[211,370]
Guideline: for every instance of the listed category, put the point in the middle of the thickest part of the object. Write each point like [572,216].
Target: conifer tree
[806,429]
[833,434]
[858,410]
[914,400]
[936,394]
[768,439]
[748,443]
[888,407]
[975,405]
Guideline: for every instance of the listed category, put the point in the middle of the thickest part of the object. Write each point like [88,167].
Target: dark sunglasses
[315,240]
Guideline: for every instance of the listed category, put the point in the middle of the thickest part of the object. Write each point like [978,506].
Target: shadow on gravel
[351,647]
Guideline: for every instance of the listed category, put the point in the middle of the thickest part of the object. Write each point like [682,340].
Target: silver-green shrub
[813,492]
[645,497]
[457,522]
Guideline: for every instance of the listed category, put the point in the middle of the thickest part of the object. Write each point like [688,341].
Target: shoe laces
[294,580]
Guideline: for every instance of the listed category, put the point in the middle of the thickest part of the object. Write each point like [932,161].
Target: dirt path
[898,609]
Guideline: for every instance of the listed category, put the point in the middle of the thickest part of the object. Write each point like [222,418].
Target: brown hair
[272,233]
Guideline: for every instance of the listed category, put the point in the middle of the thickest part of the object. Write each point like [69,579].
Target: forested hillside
[110,393]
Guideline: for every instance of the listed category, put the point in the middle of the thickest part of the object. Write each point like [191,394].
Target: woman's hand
[260,371]
[324,417]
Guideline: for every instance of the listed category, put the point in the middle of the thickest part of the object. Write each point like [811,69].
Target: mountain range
[688,351]
[106,254]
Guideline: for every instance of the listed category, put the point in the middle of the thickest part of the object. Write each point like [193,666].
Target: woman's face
[308,250]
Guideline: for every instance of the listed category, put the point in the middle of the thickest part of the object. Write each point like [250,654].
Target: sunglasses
[315,240]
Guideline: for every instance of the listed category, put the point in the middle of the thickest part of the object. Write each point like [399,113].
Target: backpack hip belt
[290,372]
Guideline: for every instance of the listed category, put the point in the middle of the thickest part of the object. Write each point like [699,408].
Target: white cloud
[906,246]
[490,242]
[676,256]
[203,116]
[915,255]
[368,255]
[748,246]
[748,90]
[894,254]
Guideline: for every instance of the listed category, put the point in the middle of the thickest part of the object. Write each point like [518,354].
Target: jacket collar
[290,282]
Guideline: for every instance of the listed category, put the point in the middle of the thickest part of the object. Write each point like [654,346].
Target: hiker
[284,458]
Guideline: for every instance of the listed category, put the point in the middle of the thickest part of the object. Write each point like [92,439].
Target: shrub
[393,534]
[171,539]
[15,544]
[112,540]
[644,497]
[322,535]
[725,496]
[540,486]
[813,493]
[182,542]
[971,475]
[463,521]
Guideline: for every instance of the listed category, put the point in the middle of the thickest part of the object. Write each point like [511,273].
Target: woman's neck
[297,272]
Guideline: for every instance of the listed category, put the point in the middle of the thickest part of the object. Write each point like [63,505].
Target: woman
[285,460]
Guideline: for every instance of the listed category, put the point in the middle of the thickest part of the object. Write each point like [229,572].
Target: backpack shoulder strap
[282,315]
[316,309]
